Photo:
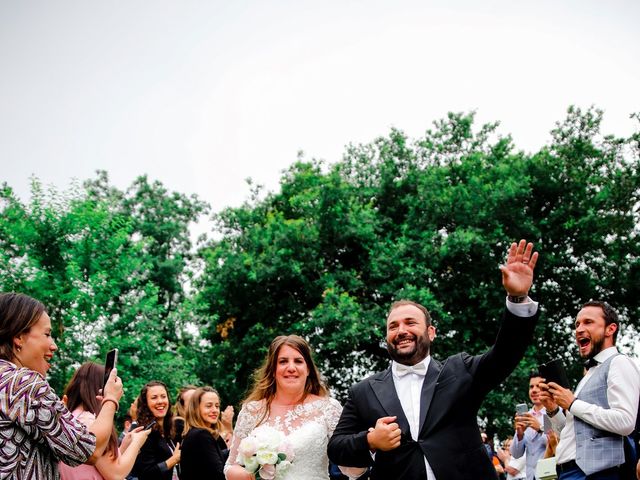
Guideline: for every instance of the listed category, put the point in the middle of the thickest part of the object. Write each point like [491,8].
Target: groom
[418,419]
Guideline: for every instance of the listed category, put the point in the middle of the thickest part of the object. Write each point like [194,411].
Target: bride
[289,396]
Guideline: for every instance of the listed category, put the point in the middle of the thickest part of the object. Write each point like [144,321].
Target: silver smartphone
[521,409]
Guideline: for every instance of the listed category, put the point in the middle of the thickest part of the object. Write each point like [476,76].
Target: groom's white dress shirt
[409,387]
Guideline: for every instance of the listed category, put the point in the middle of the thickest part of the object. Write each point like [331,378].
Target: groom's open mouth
[405,341]
[583,344]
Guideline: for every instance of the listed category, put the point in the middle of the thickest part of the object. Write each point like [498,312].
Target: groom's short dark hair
[401,303]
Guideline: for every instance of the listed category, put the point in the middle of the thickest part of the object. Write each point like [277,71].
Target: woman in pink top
[80,398]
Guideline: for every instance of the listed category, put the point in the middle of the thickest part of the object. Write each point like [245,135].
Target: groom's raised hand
[385,436]
[517,272]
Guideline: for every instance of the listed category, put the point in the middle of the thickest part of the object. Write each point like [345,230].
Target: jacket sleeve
[348,445]
[497,363]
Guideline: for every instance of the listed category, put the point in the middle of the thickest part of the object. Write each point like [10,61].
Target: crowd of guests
[512,466]
[74,437]
[415,420]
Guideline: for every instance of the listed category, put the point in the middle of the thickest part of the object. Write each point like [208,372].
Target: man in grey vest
[594,419]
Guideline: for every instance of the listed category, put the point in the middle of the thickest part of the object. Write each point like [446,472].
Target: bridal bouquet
[265,453]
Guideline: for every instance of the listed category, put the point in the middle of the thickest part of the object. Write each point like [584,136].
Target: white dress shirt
[623,389]
[519,464]
[409,388]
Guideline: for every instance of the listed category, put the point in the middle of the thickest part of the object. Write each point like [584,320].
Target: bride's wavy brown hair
[264,379]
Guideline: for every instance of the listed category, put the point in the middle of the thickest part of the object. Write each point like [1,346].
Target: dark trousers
[571,471]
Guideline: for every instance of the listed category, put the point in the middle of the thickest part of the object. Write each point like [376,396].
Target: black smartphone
[110,364]
[150,425]
[553,371]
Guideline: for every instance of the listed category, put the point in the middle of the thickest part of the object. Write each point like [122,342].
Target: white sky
[203,94]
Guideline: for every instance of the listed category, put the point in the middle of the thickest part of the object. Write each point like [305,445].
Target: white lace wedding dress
[308,428]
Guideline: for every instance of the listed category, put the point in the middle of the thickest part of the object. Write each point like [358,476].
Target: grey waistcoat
[596,449]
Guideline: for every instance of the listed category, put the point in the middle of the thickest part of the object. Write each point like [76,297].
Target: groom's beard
[418,353]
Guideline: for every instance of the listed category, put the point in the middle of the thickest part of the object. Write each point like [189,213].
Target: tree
[83,255]
[431,220]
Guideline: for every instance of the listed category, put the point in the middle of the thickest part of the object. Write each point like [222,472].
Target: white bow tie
[418,369]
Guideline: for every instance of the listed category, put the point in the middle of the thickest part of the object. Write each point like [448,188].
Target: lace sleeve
[332,414]
[246,422]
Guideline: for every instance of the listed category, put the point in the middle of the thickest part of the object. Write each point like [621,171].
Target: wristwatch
[516,298]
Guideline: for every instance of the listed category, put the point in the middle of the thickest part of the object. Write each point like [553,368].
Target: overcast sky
[203,94]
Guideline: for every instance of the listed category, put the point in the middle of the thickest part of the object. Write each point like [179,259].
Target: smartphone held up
[521,409]
[110,363]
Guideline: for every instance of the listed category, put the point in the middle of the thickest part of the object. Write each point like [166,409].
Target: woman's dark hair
[145,417]
[18,313]
[264,387]
[81,392]
[193,417]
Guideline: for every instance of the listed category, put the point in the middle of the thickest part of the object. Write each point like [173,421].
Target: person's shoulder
[376,377]
[24,380]
[312,398]
[624,361]
[84,416]
[197,434]
[322,401]
[25,374]
[253,406]
[332,402]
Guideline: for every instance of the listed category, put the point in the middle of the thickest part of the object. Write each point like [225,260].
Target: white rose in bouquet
[265,453]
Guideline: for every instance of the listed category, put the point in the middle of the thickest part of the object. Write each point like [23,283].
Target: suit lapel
[385,392]
[428,389]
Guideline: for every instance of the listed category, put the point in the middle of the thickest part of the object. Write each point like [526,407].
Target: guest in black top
[159,455]
[204,452]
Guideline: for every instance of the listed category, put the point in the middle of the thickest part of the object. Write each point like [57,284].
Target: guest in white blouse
[515,468]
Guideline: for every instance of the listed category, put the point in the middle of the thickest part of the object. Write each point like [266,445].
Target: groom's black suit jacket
[451,395]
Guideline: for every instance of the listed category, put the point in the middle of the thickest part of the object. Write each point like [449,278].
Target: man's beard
[596,347]
[413,356]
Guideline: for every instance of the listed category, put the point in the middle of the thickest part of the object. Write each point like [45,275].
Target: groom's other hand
[385,436]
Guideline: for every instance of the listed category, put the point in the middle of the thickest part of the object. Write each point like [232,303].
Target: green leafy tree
[83,254]
[429,219]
